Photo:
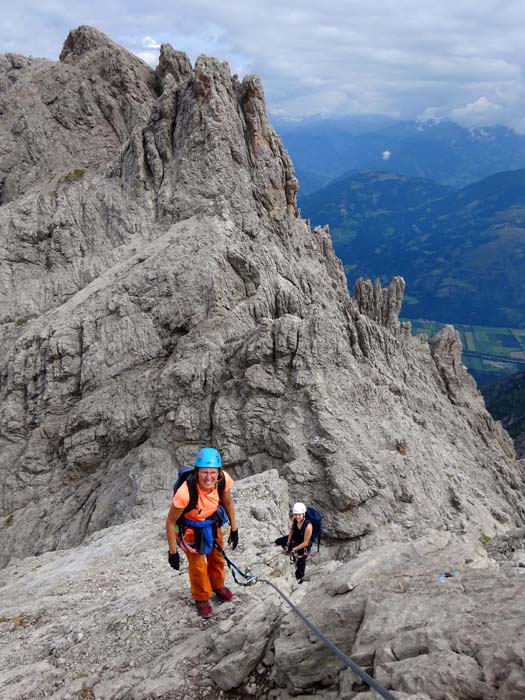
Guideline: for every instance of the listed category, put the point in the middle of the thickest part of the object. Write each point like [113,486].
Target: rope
[363,675]
[251,580]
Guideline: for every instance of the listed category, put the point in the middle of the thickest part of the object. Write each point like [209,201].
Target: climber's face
[208,478]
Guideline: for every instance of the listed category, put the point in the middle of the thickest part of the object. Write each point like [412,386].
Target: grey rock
[509,551]
[432,617]
[171,296]
[59,119]
[446,348]
[381,305]
[243,647]
[111,618]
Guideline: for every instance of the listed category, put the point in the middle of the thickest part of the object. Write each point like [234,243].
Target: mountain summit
[161,292]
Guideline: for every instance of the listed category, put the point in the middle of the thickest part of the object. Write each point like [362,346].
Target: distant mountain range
[461,253]
[325,149]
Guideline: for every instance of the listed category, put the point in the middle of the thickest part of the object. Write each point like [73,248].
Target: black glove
[174,560]
[233,538]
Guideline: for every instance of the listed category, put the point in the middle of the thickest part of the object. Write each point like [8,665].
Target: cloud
[432,115]
[149,57]
[482,112]
[339,56]
[150,43]
[386,155]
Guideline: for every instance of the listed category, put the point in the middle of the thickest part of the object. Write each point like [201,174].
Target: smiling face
[299,517]
[208,478]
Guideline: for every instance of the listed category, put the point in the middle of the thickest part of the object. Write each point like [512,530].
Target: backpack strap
[194,495]
[194,499]
[221,486]
[192,503]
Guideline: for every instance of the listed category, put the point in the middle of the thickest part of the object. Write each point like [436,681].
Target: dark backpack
[314,516]
[187,474]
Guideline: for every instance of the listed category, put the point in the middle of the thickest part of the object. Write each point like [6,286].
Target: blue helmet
[208,457]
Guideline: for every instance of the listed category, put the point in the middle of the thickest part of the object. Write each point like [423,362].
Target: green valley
[488,352]
[462,253]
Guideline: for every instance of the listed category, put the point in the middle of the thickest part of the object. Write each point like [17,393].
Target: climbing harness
[294,556]
[251,580]
[185,546]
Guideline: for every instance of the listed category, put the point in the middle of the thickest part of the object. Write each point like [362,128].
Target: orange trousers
[206,572]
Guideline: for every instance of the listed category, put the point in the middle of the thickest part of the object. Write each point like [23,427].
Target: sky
[429,60]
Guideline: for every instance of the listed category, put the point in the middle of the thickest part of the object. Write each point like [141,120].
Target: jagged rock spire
[160,292]
[381,305]
[84,40]
[209,146]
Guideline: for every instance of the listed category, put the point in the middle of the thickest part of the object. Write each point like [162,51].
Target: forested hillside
[461,253]
[505,400]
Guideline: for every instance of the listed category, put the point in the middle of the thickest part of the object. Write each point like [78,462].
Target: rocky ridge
[436,618]
[71,115]
[160,292]
[169,295]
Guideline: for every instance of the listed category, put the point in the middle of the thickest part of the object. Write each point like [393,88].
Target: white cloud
[481,112]
[150,43]
[432,115]
[386,155]
[339,56]
[149,57]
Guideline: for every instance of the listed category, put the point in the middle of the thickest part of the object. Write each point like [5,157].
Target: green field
[488,352]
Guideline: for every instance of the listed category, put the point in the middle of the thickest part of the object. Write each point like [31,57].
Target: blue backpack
[182,476]
[314,516]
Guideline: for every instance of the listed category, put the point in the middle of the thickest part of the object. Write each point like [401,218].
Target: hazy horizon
[461,61]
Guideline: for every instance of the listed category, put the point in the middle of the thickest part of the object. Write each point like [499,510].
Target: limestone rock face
[159,291]
[435,617]
[381,305]
[109,619]
[57,118]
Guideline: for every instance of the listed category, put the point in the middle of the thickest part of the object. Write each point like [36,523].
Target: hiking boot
[223,593]
[204,608]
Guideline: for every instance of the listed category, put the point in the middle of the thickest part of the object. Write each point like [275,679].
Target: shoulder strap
[194,496]
[221,486]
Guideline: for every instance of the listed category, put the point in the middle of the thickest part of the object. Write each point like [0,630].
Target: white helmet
[299,509]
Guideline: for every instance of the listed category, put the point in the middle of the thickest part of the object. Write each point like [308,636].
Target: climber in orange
[200,504]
